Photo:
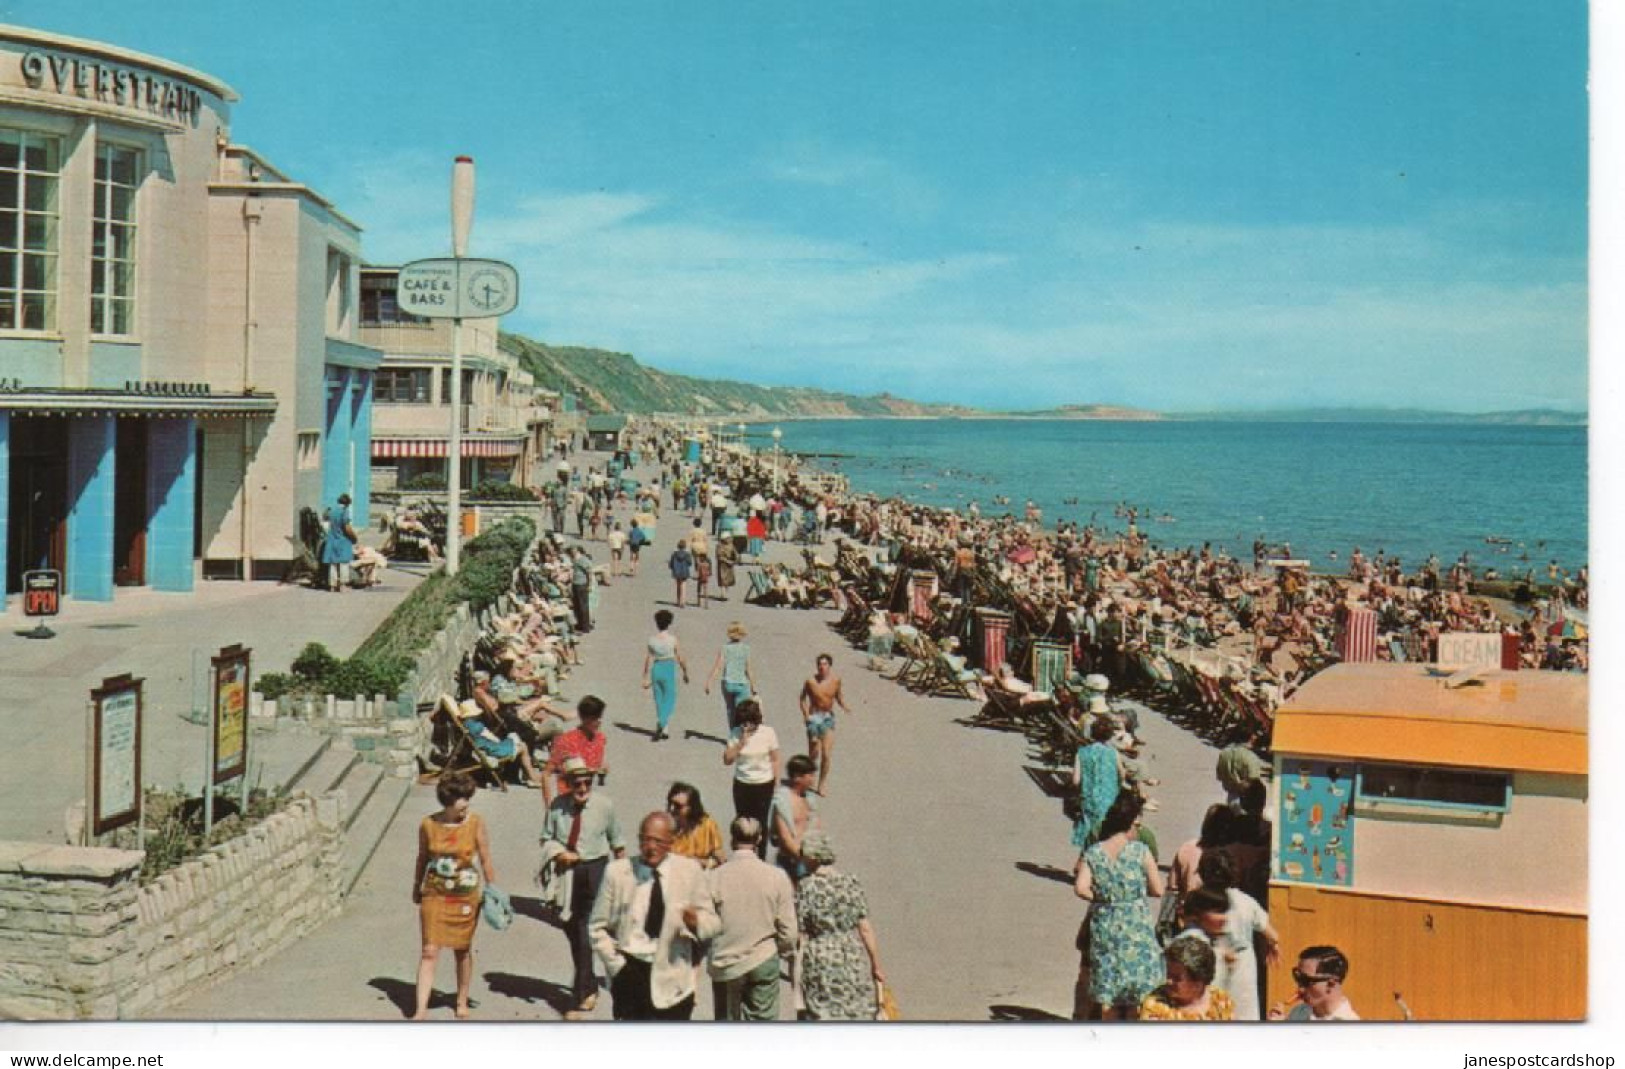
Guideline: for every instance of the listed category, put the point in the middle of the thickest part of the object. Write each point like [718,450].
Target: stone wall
[81,939]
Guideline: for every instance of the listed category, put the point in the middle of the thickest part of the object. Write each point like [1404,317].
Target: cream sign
[111,84]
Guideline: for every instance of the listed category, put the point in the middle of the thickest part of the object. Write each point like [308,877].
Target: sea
[1323,488]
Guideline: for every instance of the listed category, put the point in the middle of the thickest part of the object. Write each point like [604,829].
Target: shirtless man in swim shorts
[819,697]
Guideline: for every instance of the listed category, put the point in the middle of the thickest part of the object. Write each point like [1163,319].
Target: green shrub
[368,675]
[429,480]
[274,685]
[497,490]
[314,663]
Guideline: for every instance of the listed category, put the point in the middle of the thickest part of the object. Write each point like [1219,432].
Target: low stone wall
[81,939]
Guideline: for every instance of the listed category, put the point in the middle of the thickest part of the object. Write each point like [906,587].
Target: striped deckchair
[1052,663]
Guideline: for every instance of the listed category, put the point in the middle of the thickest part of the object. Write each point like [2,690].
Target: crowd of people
[748,906]
[763,898]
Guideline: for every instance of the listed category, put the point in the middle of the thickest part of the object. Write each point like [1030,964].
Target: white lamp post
[777,434]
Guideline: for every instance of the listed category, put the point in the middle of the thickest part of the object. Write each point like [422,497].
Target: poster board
[1315,836]
[229,713]
[115,798]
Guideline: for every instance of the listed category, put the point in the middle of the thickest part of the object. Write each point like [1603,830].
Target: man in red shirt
[586,742]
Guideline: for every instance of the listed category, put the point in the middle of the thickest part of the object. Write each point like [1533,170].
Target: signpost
[458,288]
[42,596]
[228,729]
[114,795]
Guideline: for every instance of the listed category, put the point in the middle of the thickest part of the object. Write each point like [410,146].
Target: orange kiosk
[1433,827]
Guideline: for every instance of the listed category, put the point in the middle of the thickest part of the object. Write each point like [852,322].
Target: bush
[273,685]
[314,663]
[429,480]
[497,490]
[368,676]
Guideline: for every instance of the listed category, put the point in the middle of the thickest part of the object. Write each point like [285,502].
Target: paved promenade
[963,858]
[47,682]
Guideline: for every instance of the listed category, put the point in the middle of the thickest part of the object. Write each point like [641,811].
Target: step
[327,771]
[281,759]
[359,782]
[368,825]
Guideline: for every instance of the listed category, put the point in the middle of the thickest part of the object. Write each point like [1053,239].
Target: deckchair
[762,591]
[461,754]
[1052,662]
[949,676]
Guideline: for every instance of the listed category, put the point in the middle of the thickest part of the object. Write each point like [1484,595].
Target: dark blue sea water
[1410,489]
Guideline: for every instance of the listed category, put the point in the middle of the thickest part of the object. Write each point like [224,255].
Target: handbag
[885,1005]
[496,908]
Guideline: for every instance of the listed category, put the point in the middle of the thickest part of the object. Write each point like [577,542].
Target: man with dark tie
[647,925]
[584,823]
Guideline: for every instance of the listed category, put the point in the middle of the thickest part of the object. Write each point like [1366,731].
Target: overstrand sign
[458,288]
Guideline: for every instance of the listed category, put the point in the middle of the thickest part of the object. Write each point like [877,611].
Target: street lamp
[777,434]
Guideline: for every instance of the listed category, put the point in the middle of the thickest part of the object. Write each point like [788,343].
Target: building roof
[26,36]
[1519,721]
[600,423]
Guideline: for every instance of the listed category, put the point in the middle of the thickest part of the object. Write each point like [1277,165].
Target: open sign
[42,592]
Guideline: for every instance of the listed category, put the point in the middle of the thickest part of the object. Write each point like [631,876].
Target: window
[403,386]
[112,255]
[378,305]
[29,166]
[1440,787]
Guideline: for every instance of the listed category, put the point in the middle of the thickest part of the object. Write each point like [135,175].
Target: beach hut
[604,432]
[1432,826]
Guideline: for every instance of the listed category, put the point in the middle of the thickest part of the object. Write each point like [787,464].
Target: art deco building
[180,372]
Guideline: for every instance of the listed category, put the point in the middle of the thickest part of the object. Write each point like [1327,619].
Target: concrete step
[281,758]
[368,824]
[327,771]
[359,782]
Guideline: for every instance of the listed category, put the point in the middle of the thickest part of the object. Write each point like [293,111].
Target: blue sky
[1184,205]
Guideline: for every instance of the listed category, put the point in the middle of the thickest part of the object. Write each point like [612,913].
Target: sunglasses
[1303,979]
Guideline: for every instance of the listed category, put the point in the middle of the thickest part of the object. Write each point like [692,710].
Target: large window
[404,386]
[378,303]
[1451,788]
[112,255]
[29,166]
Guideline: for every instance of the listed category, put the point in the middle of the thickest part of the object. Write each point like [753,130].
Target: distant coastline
[603,381]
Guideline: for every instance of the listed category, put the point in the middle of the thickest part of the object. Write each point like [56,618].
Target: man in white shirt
[756,905]
[648,920]
[1320,974]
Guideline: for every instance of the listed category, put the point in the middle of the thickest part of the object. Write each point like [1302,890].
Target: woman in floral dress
[840,963]
[1189,994]
[1118,872]
[447,887]
[1099,778]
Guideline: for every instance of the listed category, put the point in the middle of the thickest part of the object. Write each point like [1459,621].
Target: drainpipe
[252,211]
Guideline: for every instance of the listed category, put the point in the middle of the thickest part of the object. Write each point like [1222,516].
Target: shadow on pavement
[636,729]
[692,734]
[527,906]
[530,989]
[1031,868]
[403,993]
[1005,1012]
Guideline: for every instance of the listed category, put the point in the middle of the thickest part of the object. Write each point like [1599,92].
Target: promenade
[160,637]
[964,860]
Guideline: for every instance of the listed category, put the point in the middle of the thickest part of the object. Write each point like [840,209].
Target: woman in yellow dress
[447,887]
[1189,994]
[697,834]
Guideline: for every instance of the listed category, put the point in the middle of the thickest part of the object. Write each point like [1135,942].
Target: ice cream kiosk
[1432,826]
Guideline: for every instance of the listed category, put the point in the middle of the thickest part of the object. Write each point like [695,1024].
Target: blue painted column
[5,498]
[336,456]
[171,489]
[361,448]
[91,449]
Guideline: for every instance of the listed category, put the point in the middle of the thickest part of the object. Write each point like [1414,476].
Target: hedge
[384,661]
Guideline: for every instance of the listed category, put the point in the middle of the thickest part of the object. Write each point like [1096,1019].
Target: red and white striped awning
[436,447]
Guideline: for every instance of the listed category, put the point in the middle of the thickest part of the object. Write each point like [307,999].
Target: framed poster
[230,713]
[115,754]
